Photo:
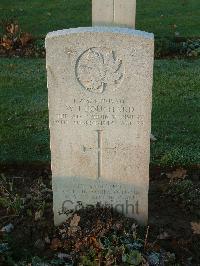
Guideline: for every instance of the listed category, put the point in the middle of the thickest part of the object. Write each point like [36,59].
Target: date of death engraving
[96,112]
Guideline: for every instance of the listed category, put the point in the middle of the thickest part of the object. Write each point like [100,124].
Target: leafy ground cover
[24,115]
[16,43]
[174,17]
[99,236]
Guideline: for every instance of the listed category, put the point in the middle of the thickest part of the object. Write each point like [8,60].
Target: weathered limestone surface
[120,13]
[100,86]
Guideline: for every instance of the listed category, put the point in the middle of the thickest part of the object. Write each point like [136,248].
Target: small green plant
[9,200]
[39,48]
[133,258]
[173,47]
[191,48]
[166,47]
[186,193]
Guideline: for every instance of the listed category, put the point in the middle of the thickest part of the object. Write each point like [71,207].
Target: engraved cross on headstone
[99,150]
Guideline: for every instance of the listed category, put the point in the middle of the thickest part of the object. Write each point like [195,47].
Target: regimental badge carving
[99,68]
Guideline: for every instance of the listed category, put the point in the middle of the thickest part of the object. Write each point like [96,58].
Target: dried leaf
[25,38]
[74,224]
[75,221]
[179,173]
[195,228]
[6,42]
[38,215]
[12,28]
[55,244]
[93,241]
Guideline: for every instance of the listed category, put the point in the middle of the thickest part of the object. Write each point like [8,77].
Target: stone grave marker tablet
[100,87]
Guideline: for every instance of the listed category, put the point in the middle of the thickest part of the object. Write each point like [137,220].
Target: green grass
[24,116]
[166,17]
[42,16]
[162,17]
[176,108]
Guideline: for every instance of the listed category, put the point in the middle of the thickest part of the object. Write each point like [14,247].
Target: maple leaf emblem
[98,68]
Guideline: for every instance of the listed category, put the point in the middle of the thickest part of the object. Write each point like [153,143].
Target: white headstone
[120,13]
[100,86]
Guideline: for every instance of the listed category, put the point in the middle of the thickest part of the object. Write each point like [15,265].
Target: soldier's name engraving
[90,112]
